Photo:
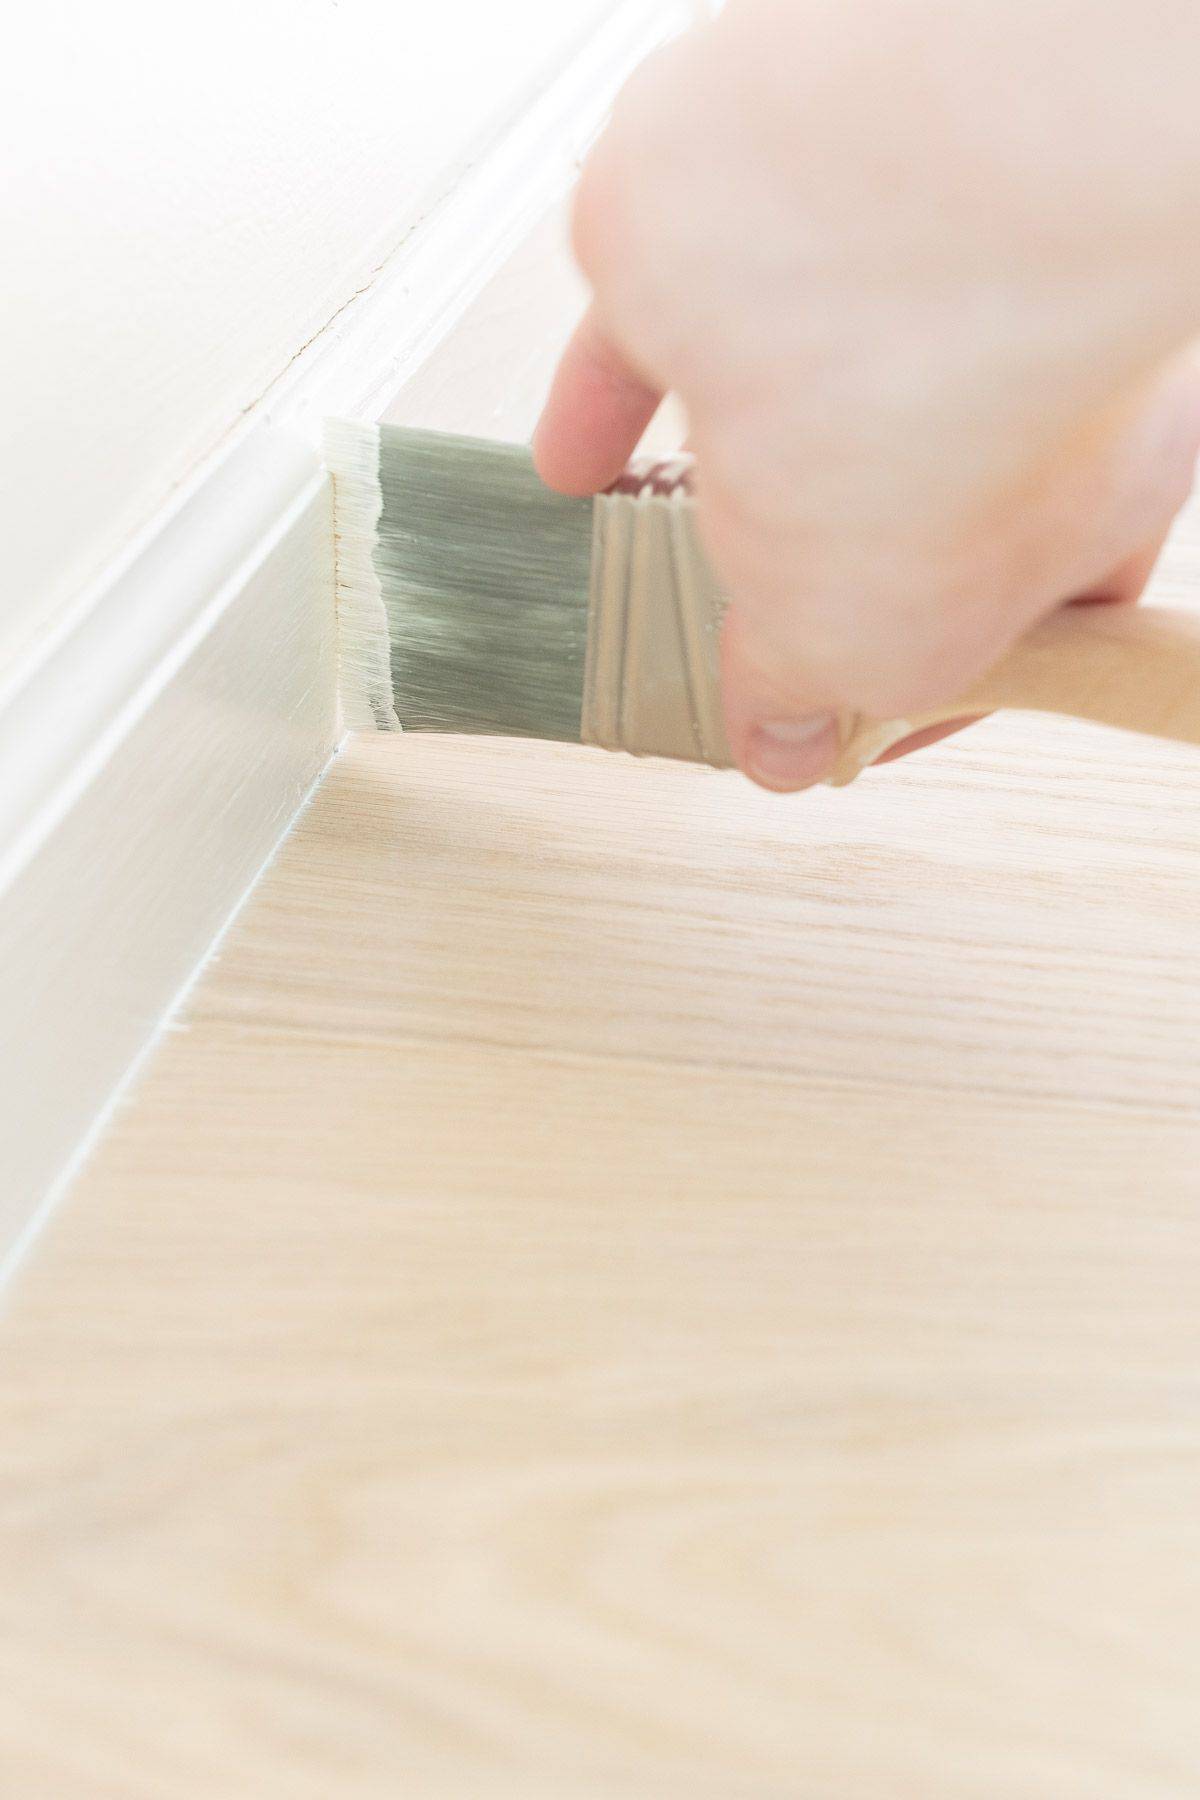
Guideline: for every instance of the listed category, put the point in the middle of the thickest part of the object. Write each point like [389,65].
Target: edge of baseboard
[171,640]
[14,1253]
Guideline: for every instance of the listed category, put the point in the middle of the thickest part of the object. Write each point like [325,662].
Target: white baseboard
[142,865]
[155,748]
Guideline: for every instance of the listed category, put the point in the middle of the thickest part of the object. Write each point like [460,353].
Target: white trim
[197,777]
[155,746]
[28,1233]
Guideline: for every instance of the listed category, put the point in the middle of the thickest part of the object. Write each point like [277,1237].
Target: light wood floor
[623,1286]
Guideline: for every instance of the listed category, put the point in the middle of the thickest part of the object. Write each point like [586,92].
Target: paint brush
[473,599]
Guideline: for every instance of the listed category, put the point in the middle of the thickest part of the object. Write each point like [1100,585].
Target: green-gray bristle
[484,575]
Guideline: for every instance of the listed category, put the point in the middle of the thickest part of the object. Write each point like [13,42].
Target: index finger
[596,412]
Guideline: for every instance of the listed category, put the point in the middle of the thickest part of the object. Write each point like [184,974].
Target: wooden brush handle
[651,681]
[1136,667]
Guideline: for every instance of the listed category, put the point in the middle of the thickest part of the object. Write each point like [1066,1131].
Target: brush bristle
[484,577]
[364,654]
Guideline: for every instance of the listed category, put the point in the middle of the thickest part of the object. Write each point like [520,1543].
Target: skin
[926,277]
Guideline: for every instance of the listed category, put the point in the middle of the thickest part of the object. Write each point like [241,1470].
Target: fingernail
[787,754]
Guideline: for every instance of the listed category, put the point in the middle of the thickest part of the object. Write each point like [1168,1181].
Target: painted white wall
[187,196]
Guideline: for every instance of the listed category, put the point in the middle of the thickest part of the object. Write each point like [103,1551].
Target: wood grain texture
[623,1286]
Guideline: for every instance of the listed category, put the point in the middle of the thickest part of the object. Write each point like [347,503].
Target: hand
[921,276]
